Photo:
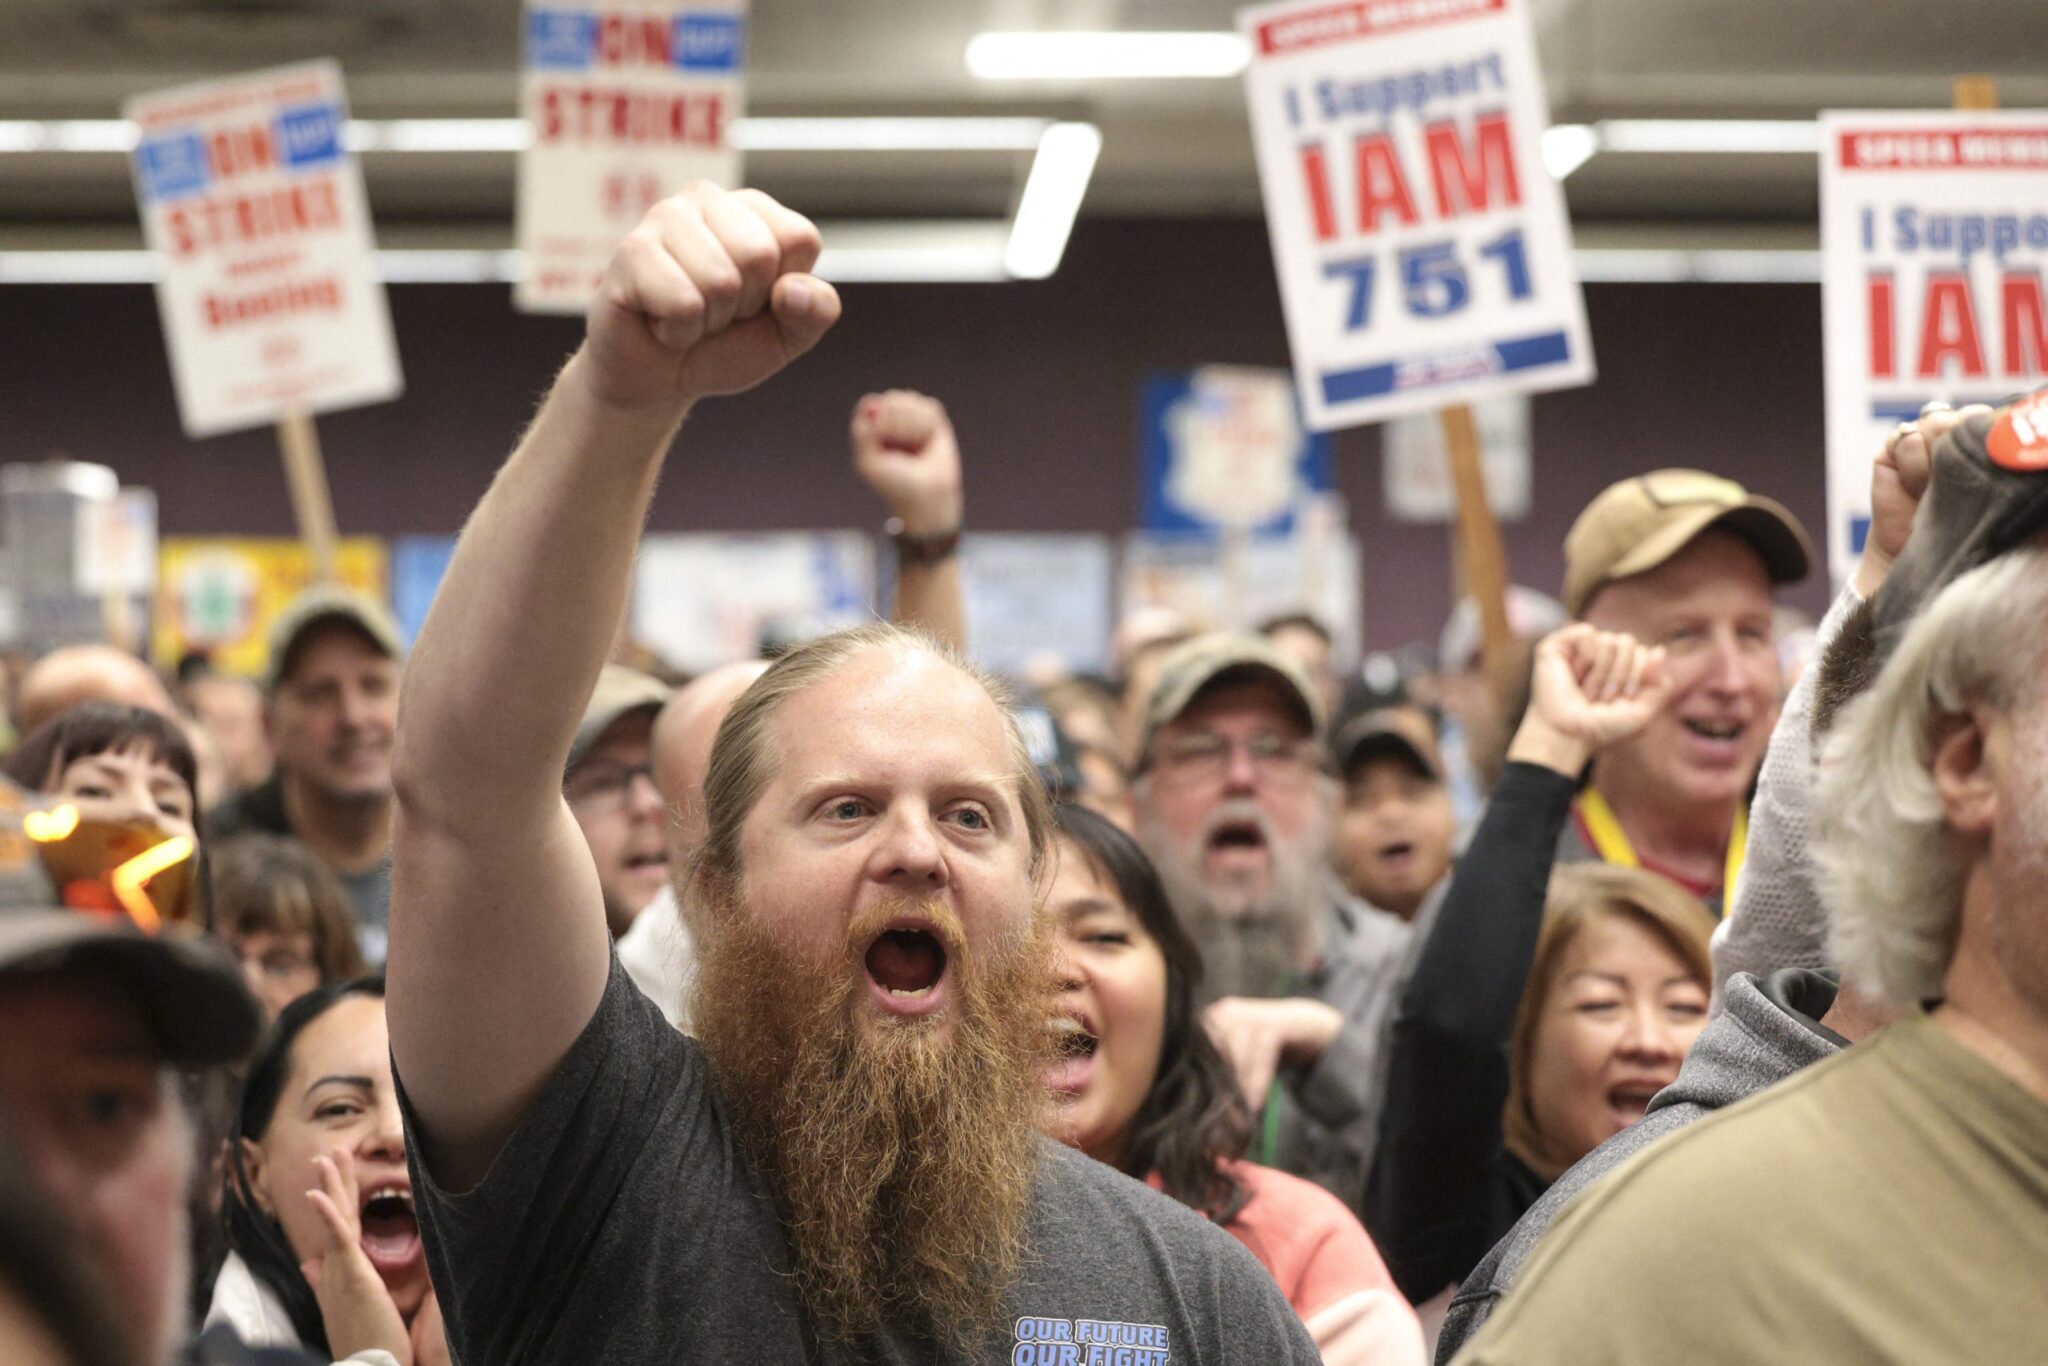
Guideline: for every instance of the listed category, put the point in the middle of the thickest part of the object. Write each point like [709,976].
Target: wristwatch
[921,550]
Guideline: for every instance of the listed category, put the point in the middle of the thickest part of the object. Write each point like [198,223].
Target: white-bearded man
[845,1167]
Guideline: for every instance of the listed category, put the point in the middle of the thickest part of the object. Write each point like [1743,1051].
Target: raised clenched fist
[710,294]
[903,447]
[1590,689]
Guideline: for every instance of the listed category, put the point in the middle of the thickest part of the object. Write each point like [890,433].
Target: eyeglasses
[1204,756]
[600,786]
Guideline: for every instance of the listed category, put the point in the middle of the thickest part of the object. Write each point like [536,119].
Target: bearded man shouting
[844,1166]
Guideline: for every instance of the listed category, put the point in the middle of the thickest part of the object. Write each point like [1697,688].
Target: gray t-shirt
[620,1223]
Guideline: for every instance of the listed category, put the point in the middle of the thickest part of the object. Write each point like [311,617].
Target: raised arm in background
[903,446]
[1775,918]
[1430,1202]
[499,949]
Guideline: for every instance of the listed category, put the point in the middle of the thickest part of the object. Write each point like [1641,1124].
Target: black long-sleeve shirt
[1443,1187]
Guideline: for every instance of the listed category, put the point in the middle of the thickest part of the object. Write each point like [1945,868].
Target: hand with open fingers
[1259,1037]
[355,1307]
[1898,480]
[1590,689]
[903,446]
[711,294]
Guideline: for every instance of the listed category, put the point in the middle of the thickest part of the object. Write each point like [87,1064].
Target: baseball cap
[1403,732]
[1219,657]
[322,605]
[53,917]
[619,692]
[1987,491]
[1637,524]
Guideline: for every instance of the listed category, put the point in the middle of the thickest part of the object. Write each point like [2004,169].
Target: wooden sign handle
[1481,555]
[305,475]
[1976,92]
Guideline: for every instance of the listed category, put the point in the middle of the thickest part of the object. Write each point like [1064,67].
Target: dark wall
[1042,381]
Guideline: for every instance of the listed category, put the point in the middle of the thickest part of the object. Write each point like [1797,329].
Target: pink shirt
[1328,1269]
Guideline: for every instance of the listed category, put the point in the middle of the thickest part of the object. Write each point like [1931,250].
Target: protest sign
[1934,236]
[628,101]
[269,292]
[1415,469]
[1036,599]
[1423,250]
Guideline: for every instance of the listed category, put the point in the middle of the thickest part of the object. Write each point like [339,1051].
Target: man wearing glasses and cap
[1235,809]
[1687,561]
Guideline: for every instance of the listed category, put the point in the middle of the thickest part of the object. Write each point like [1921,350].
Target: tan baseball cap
[320,606]
[620,691]
[1225,656]
[1637,524]
[1402,731]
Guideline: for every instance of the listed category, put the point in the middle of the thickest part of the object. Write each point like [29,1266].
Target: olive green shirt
[1887,1205]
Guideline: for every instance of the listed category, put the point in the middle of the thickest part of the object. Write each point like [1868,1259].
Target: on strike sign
[628,100]
[269,294]
[1423,251]
[1934,234]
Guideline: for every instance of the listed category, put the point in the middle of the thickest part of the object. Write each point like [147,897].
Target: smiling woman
[1137,1083]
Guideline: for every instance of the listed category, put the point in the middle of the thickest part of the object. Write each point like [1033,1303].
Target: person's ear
[1964,769]
[253,1171]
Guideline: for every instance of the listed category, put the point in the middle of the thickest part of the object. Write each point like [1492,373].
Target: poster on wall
[1223,448]
[1423,251]
[1934,238]
[1037,603]
[1415,471]
[219,595]
[628,101]
[701,600]
[269,293]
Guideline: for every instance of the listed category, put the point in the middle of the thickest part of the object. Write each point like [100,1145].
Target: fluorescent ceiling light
[1105,56]
[1052,199]
[514,135]
[1709,135]
[1566,147]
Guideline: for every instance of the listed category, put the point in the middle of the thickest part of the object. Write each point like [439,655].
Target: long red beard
[902,1157]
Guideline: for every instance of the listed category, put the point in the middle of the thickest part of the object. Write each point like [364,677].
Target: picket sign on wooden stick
[1482,558]
[305,473]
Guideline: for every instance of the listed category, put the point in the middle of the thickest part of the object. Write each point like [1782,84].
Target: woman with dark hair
[1139,1086]
[115,763]
[285,917]
[317,1180]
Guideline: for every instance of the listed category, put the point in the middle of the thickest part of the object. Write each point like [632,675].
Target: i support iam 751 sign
[269,293]
[1423,250]
[1934,236]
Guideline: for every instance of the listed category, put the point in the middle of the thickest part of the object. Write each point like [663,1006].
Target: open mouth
[1401,851]
[1720,731]
[1237,840]
[637,863]
[906,963]
[1074,1044]
[1631,1099]
[391,1231]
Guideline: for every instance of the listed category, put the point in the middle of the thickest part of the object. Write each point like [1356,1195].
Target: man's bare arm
[903,446]
[498,940]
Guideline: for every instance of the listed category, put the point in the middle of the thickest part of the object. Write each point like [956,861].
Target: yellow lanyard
[1611,843]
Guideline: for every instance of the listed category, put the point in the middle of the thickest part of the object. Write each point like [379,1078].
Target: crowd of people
[855,1004]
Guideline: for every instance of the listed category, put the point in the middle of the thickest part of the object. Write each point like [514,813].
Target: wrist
[579,384]
[1549,747]
[942,519]
[922,548]
[1870,573]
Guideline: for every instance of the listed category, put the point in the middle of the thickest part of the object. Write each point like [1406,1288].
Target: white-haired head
[1891,868]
